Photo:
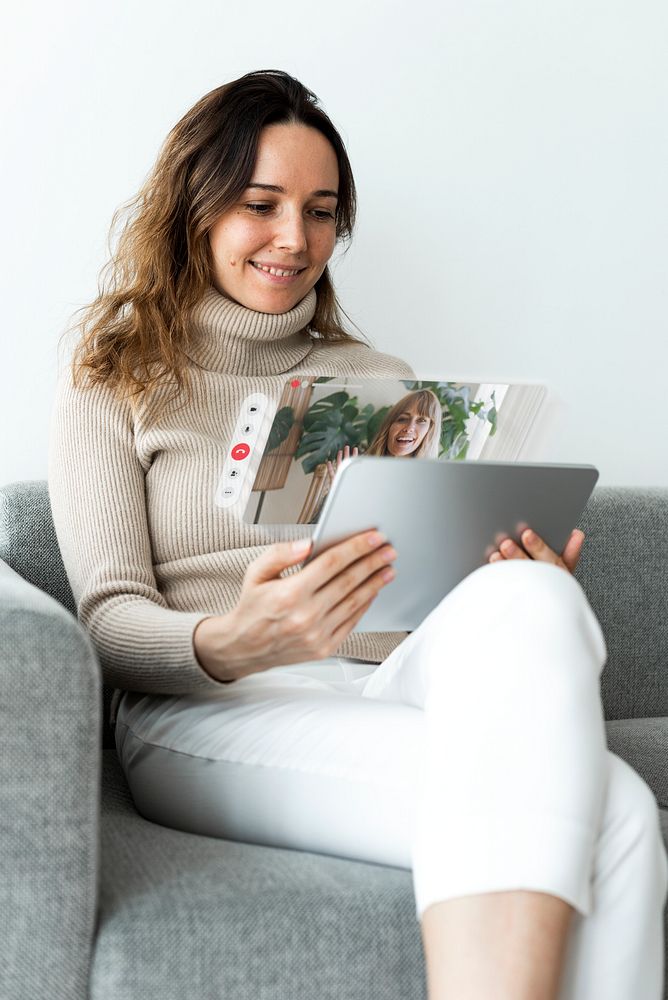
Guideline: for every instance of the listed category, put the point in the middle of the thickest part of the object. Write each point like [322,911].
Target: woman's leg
[499,944]
[476,757]
[476,944]
[279,758]
[617,950]
[535,801]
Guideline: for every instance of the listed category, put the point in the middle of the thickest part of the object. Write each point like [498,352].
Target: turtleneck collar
[231,339]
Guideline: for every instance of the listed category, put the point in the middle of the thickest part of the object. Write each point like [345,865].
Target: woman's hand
[305,616]
[533,547]
[340,455]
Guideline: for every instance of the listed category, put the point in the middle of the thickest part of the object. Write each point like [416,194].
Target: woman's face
[407,433]
[284,221]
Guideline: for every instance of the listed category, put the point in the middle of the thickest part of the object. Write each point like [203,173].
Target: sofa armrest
[49,795]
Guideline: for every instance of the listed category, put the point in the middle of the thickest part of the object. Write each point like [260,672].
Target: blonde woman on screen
[411,429]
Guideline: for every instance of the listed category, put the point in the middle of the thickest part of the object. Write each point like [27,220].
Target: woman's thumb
[277,558]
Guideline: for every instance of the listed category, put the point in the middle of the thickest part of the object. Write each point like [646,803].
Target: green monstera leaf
[281,427]
[375,423]
[323,409]
[330,424]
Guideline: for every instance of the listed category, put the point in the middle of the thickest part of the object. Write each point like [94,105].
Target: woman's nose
[291,233]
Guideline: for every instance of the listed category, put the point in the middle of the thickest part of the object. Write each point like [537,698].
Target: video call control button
[240,451]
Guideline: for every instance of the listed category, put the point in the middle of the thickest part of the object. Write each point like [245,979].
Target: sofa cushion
[182,915]
[643,743]
[189,916]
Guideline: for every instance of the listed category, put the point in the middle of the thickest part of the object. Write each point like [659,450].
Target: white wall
[511,159]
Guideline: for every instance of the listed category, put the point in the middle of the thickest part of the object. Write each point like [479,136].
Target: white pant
[475,755]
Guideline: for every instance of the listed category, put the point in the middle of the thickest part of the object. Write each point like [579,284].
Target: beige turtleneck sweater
[147,552]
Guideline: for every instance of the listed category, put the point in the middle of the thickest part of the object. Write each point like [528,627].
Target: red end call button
[239,452]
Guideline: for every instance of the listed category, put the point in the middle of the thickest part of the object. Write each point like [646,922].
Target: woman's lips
[276,279]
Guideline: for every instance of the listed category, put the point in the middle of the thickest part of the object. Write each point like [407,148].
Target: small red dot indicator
[239,452]
[296,383]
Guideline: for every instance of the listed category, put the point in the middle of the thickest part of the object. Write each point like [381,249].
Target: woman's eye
[261,208]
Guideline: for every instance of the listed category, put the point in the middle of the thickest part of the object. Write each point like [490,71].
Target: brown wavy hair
[427,404]
[134,335]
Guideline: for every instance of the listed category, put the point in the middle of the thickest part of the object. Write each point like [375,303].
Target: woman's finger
[511,550]
[326,566]
[538,549]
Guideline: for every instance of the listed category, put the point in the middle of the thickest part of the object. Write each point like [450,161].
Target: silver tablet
[445,518]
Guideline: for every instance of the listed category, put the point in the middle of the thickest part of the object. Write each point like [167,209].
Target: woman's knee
[537,584]
[536,603]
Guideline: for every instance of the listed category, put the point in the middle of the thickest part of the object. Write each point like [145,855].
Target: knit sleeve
[96,488]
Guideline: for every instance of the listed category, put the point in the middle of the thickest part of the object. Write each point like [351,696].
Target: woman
[520,828]
[410,429]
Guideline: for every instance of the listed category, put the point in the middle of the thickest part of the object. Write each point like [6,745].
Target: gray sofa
[96,901]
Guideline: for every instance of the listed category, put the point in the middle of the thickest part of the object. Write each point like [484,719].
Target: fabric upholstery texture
[188,916]
[28,539]
[49,795]
[644,744]
[624,572]
[28,544]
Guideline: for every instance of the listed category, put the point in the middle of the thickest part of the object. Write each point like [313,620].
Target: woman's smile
[276,272]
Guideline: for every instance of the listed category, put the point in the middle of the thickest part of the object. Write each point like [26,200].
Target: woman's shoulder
[84,403]
[361,359]
[71,392]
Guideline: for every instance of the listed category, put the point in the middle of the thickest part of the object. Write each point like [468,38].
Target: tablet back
[444,519]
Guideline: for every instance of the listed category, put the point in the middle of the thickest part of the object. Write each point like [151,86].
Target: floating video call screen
[291,456]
